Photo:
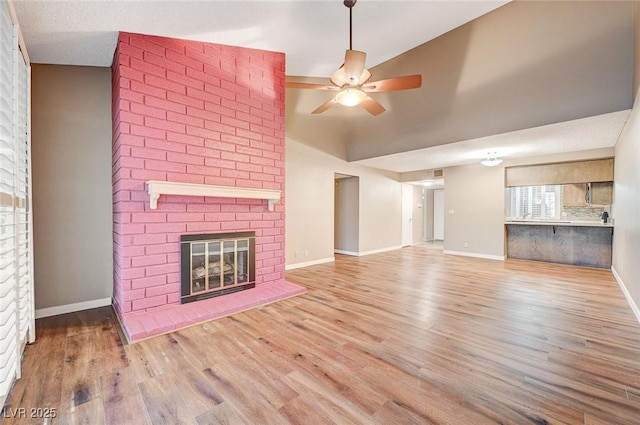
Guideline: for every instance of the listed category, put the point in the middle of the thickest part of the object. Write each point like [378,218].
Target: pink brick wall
[192,112]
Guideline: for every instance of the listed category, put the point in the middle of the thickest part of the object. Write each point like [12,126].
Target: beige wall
[476,195]
[380,209]
[626,206]
[310,204]
[71,149]
[626,197]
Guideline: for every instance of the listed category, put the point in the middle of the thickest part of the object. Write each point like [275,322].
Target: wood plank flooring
[406,337]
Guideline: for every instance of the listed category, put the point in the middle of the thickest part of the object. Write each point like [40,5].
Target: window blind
[23,214]
[16,275]
[8,295]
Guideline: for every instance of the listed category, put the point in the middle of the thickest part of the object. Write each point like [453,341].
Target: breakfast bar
[581,243]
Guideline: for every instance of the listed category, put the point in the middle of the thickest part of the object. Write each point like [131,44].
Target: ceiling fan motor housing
[350,3]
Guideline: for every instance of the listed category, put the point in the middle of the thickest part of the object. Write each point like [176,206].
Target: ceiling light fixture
[492,160]
[351,97]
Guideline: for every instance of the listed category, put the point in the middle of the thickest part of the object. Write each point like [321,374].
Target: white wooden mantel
[157,188]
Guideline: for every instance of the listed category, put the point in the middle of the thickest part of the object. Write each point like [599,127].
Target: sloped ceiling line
[524,66]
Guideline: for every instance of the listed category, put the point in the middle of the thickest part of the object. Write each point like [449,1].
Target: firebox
[216,264]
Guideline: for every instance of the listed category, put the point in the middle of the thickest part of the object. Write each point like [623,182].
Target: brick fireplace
[202,114]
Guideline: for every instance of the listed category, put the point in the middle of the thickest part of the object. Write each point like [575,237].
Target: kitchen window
[534,202]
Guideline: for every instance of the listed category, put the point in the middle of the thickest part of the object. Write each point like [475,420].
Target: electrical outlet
[306,252]
[295,254]
[466,245]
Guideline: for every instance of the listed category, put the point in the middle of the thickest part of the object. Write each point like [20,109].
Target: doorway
[433,212]
[407,215]
[346,223]
[438,215]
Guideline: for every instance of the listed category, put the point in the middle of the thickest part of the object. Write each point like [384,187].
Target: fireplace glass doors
[216,264]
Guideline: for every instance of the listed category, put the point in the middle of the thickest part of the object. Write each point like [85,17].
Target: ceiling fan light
[351,97]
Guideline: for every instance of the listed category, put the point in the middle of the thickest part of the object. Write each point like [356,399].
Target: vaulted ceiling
[526,79]
[314,34]
[522,79]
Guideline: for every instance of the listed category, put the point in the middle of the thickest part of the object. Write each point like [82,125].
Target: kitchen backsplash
[583,212]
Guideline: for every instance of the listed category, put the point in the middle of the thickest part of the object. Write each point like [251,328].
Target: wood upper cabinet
[597,170]
[573,195]
[602,193]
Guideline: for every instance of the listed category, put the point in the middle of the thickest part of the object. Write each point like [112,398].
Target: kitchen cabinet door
[602,193]
[573,195]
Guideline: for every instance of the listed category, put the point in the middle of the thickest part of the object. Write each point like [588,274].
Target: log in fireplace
[216,264]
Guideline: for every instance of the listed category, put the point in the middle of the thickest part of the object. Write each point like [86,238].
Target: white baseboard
[70,308]
[362,253]
[377,251]
[343,252]
[309,263]
[627,295]
[474,255]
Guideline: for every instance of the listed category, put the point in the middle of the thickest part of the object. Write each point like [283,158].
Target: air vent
[438,173]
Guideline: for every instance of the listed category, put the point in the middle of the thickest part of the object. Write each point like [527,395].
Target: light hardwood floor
[405,337]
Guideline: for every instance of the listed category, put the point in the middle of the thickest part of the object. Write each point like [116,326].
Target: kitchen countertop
[576,223]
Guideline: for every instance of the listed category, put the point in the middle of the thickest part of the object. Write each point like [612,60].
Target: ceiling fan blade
[392,84]
[292,85]
[320,109]
[372,106]
[339,77]
[354,66]
[365,76]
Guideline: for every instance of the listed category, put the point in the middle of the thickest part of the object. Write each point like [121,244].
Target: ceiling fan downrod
[350,4]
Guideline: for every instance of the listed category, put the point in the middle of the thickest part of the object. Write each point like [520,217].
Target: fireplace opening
[216,264]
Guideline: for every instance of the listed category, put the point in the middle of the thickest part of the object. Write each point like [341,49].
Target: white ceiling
[601,131]
[313,34]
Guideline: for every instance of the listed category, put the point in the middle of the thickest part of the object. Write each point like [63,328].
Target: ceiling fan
[351,80]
